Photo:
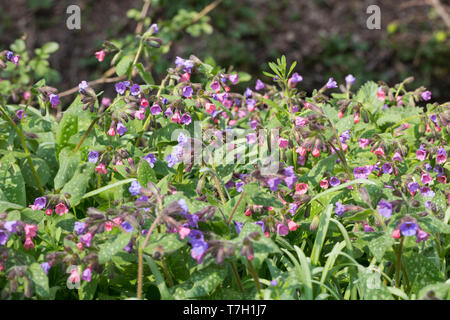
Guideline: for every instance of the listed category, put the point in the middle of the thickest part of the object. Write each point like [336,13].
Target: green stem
[236,276]
[255,276]
[219,188]
[25,148]
[235,207]
[135,59]
[399,263]
[166,272]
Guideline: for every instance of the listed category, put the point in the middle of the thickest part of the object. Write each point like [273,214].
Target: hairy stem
[235,207]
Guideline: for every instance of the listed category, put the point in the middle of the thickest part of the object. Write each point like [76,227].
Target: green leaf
[40,280]
[367,95]
[145,75]
[42,170]
[165,294]
[108,187]
[321,234]
[421,271]
[378,243]
[201,283]
[170,242]
[342,186]
[316,173]
[68,164]
[87,289]
[50,47]
[146,174]
[438,290]
[66,129]
[12,182]
[371,286]
[256,195]
[123,65]
[76,187]
[113,247]
[31,216]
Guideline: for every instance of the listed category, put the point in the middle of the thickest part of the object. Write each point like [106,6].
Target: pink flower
[426,178]
[363,143]
[292,225]
[144,103]
[340,114]
[397,157]
[101,169]
[301,188]
[61,209]
[210,108]
[248,212]
[301,151]
[442,179]
[282,229]
[282,143]
[176,117]
[301,122]
[421,154]
[140,114]
[109,226]
[379,152]
[100,55]
[74,275]
[49,212]
[111,132]
[185,77]
[316,152]
[323,184]
[30,230]
[27,95]
[441,156]
[106,102]
[118,220]
[28,243]
[183,232]
[80,246]
[396,234]
[356,118]
[381,95]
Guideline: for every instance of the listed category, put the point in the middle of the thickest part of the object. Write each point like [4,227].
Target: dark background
[326,37]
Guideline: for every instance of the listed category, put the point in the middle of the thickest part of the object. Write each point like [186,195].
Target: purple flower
[428,167]
[344,136]
[83,85]
[426,178]
[421,153]
[168,113]
[215,85]
[397,157]
[334,181]
[251,138]
[289,171]
[339,209]
[259,85]
[198,250]
[120,88]
[171,160]
[439,170]
[229,184]
[121,129]
[80,227]
[135,188]
[46,267]
[350,79]
[9,55]
[195,236]
[154,28]
[127,226]
[151,159]
[433,118]
[239,185]
[409,228]
[362,172]
[3,237]
[250,103]
[422,236]
[39,203]
[248,93]
[129,247]
[238,226]
[186,119]
[273,183]
[273,283]
[234,78]
[86,239]
[164,101]
[182,140]
[296,78]
[155,109]
[387,168]
[20,113]
[293,208]
[427,192]
[186,64]
[413,187]
[290,181]
[368,228]
[187,91]
[87,275]
[54,100]
[183,206]
[135,89]
[426,95]
[331,83]
[262,225]
[93,156]
[282,229]
[11,226]
[385,208]
[192,220]
[15,60]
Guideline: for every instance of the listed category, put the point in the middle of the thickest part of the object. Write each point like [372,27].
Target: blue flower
[135,188]
[127,226]
[238,226]
[80,227]
[151,159]
[93,156]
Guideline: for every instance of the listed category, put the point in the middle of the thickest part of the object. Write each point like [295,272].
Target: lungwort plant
[192,188]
